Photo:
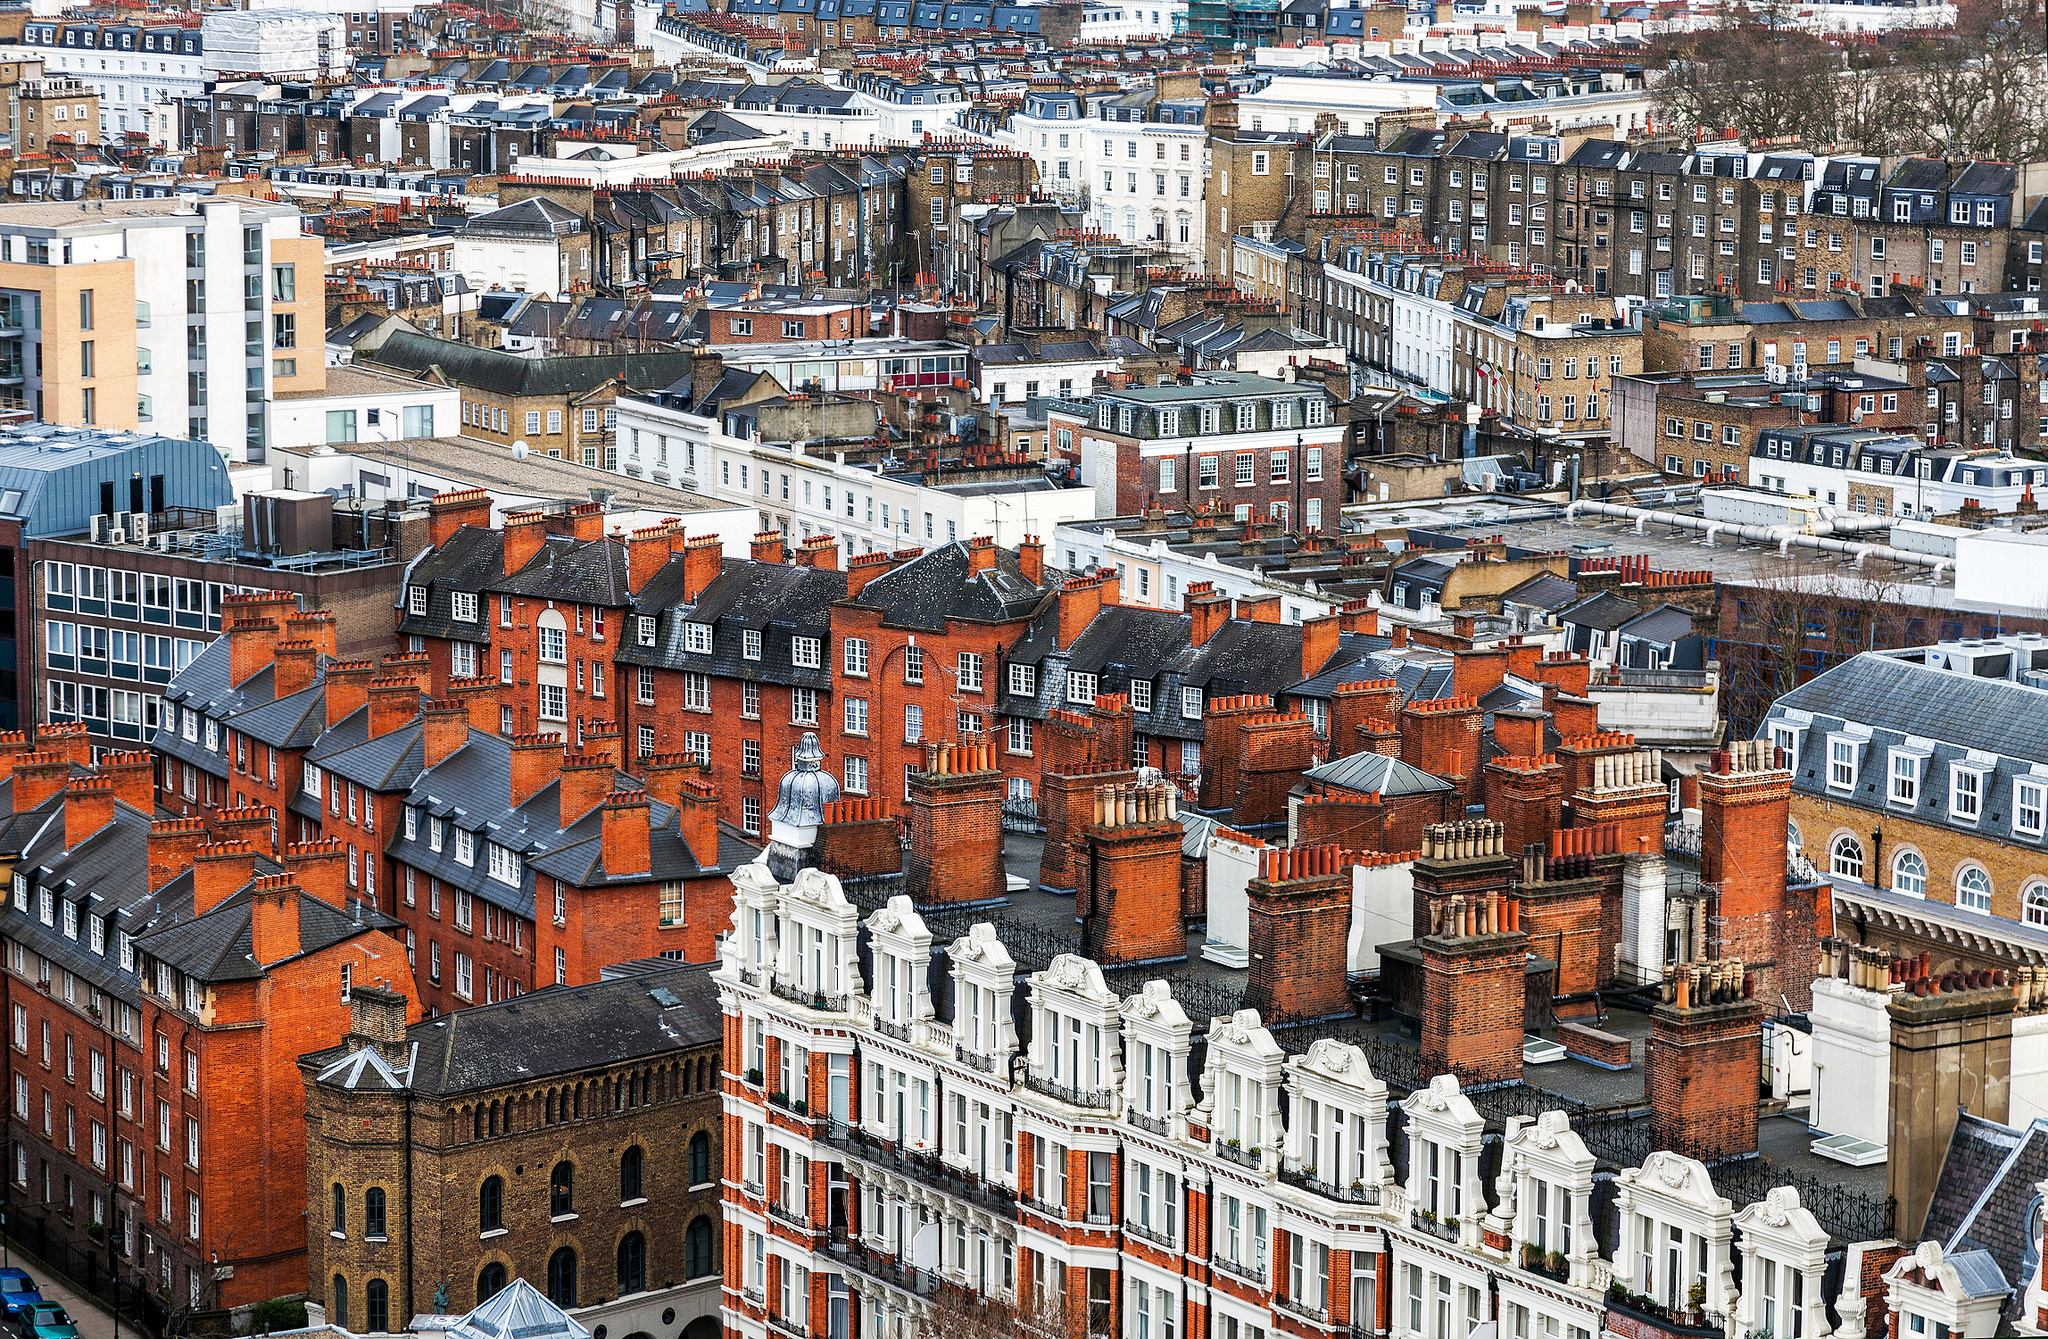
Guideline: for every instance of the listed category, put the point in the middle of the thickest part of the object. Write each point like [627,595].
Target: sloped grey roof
[511,375]
[1375,773]
[1979,1274]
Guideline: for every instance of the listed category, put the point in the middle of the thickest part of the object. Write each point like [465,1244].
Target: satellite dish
[519,450]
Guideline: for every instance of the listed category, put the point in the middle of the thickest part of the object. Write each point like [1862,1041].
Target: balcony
[974,1060]
[792,1218]
[788,1326]
[1163,1240]
[922,1166]
[1300,1308]
[1304,1178]
[12,372]
[1077,1097]
[890,1269]
[1047,1209]
[1253,1274]
[12,316]
[1159,1125]
[811,999]
[1244,1157]
[900,1031]
[1443,1229]
[797,1106]
[1652,1317]
[749,978]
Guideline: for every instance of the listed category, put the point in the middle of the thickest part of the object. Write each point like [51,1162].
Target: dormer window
[1845,755]
[696,636]
[1966,791]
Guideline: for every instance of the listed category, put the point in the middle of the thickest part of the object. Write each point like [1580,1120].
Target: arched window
[700,1158]
[373,1212]
[376,1307]
[2034,904]
[490,1205]
[562,1190]
[562,1277]
[697,1248]
[340,1208]
[629,1174]
[632,1264]
[1973,889]
[337,1310]
[489,1282]
[1909,874]
[1845,857]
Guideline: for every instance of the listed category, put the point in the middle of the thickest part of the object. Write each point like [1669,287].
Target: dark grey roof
[926,591]
[778,600]
[218,945]
[589,571]
[1985,1196]
[1543,592]
[472,558]
[511,375]
[1606,611]
[565,1029]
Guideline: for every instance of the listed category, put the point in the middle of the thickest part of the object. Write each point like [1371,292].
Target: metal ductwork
[1784,536]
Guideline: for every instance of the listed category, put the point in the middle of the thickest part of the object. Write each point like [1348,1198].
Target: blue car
[17,1292]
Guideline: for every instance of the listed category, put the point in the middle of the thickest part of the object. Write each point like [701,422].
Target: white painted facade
[1140,180]
[1154,575]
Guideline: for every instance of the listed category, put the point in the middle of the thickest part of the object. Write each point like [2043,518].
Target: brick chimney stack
[37,778]
[133,772]
[446,729]
[347,688]
[956,827]
[1951,1051]
[1352,705]
[1128,896]
[1745,802]
[536,759]
[586,780]
[703,560]
[647,552]
[319,869]
[1628,790]
[821,552]
[1571,902]
[274,919]
[1702,1061]
[376,1018]
[1298,933]
[525,533]
[173,846]
[250,643]
[859,840]
[1222,742]
[315,626]
[296,667]
[625,833]
[451,509]
[604,739]
[394,703]
[1273,751]
[1207,611]
[862,568]
[478,697]
[219,871]
[88,807]
[1031,559]
[1526,794]
[1474,984]
[766,547]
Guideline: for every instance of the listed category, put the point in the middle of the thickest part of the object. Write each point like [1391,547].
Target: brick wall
[956,827]
[1300,916]
[1473,994]
[859,840]
[1128,889]
[1744,804]
[1701,1065]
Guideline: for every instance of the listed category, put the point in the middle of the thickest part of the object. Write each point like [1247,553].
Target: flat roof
[490,466]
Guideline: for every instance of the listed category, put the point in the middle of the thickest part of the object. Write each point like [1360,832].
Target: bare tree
[1781,628]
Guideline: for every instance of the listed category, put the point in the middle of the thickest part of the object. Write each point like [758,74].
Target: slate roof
[218,947]
[1985,1195]
[471,559]
[1544,592]
[779,600]
[591,571]
[508,374]
[1370,773]
[565,1029]
[928,590]
[1605,611]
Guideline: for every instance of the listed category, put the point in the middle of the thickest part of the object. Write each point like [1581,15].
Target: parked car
[46,1320]
[17,1291]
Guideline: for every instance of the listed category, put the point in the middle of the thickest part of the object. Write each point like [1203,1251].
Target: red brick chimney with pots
[1259,608]
[583,522]
[525,534]
[479,698]
[859,839]
[1701,1062]
[664,774]
[1745,801]
[446,729]
[862,568]
[647,552]
[451,509]
[766,547]
[1031,559]
[1349,822]
[1360,616]
[586,781]
[133,772]
[88,807]
[69,740]
[296,667]
[315,626]
[173,845]
[1080,600]
[250,643]
[603,739]
[346,687]
[274,919]
[1352,705]
[1523,658]
[1572,674]
[1272,751]
[1067,777]
[819,551]
[1474,975]
[1571,908]
[625,833]
[981,554]
[245,823]
[1518,734]
[1526,794]
[1627,789]
[1319,641]
[1128,896]
[1297,934]
[1114,729]
[38,777]
[956,827]
[13,744]
[1207,611]
[1441,737]
[416,666]
[219,871]
[696,803]
[1477,672]
[1222,762]
[320,870]
[536,760]
[393,703]
[703,560]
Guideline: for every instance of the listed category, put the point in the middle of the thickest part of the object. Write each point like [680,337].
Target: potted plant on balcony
[1617,1295]
[1695,1303]
[754,1076]
[1555,1264]
[1532,1257]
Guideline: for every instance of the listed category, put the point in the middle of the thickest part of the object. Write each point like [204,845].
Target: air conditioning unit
[117,536]
[138,527]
